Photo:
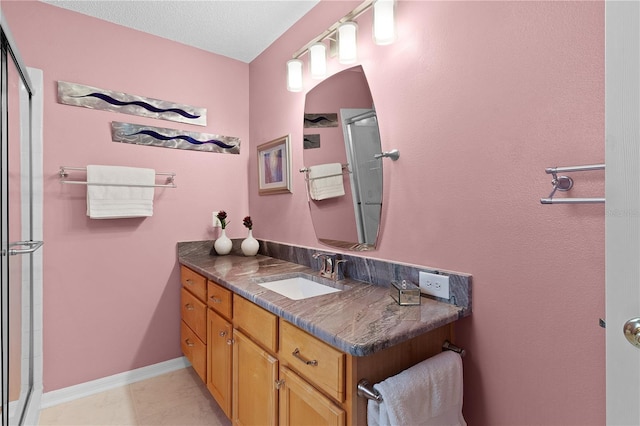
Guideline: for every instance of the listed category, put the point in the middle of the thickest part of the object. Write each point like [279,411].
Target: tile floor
[172,399]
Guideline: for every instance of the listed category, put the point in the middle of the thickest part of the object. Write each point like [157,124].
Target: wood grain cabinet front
[255,372]
[256,322]
[219,359]
[194,349]
[313,359]
[302,404]
[220,299]
[194,282]
[193,313]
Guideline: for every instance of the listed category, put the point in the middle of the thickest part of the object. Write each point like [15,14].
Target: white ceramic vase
[223,244]
[250,245]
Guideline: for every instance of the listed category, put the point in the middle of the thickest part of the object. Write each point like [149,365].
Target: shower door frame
[26,409]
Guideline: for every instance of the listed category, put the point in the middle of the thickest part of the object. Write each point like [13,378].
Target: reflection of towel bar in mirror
[63,174]
[305,170]
[366,390]
[565,183]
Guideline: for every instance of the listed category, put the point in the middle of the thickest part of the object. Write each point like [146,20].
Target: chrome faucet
[329,265]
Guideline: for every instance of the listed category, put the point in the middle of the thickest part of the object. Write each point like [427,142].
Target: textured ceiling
[239,29]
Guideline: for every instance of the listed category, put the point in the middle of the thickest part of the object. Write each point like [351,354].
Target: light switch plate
[215,222]
[434,284]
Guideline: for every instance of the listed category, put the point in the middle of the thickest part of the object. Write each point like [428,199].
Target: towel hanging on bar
[133,197]
[429,393]
[325,181]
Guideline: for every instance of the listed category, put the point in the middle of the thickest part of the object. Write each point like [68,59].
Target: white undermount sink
[298,287]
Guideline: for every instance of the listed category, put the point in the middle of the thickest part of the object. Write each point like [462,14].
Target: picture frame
[274,167]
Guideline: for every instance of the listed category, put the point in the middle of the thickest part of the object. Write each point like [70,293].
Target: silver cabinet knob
[632,331]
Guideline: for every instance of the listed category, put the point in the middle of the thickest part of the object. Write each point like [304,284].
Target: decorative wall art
[311,141]
[274,167]
[107,100]
[320,120]
[170,138]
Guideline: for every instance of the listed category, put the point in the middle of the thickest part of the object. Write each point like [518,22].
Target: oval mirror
[343,177]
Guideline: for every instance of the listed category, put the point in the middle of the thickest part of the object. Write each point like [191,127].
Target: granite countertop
[360,320]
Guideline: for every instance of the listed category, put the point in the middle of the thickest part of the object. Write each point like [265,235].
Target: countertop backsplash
[374,271]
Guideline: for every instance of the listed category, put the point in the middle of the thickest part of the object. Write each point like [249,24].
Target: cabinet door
[255,371]
[302,404]
[219,353]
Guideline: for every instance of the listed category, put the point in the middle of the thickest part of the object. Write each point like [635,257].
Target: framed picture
[274,167]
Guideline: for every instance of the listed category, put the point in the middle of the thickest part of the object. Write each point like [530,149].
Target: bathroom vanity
[269,359]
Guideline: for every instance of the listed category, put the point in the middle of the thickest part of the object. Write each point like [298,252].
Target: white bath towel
[429,393]
[325,181]
[125,192]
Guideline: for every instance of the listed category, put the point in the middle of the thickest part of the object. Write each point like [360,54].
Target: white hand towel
[114,201]
[325,181]
[429,393]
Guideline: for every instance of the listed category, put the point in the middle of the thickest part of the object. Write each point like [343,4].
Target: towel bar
[170,183]
[565,183]
[366,390]
[306,171]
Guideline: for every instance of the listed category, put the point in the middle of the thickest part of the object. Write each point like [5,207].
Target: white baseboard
[59,396]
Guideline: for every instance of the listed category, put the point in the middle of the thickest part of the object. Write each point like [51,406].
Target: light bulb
[318,60]
[294,75]
[384,25]
[347,43]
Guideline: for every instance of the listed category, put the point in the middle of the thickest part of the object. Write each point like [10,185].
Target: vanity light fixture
[294,75]
[318,60]
[384,22]
[346,33]
[348,43]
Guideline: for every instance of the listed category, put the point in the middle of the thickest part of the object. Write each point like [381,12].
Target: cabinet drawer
[321,364]
[194,313]
[260,324]
[219,298]
[194,282]
[194,349]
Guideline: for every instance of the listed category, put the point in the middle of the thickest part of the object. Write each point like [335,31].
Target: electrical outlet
[214,219]
[434,284]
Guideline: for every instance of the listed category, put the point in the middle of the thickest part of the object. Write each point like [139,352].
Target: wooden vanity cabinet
[193,314]
[263,370]
[219,345]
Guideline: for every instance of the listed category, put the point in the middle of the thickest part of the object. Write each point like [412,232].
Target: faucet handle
[336,269]
[323,261]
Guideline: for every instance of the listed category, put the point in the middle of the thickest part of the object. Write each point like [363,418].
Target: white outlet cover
[434,284]
[215,222]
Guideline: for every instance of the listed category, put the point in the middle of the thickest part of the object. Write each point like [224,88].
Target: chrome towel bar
[565,183]
[366,390]
[305,170]
[170,182]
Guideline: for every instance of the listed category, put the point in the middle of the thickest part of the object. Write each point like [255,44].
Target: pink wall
[479,97]
[111,298]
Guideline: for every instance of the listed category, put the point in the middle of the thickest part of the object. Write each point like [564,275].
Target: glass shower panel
[17,234]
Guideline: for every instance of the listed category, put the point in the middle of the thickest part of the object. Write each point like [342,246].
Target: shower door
[17,230]
[362,143]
